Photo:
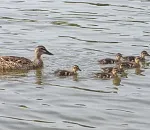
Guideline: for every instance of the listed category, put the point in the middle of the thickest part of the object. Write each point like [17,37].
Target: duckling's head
[76,68]
[39,50]
[118,56]
[144,53]
[137,59]
[121,66]
[114,71]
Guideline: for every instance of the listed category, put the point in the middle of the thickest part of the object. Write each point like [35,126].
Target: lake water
[76,32]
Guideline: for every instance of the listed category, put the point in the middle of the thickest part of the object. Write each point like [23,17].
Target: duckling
[75,68]
[8,63]
[104,75]
[132,58]
[111,61]
[120,69]
[135,64]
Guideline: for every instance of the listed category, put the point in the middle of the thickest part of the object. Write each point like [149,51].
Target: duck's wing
[107,61]
[13,62]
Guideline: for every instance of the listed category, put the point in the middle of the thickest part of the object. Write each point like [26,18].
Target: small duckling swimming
[68,73]
[132,58]
[8,63]
[135,64]
[110,60]
[104,75]
[120,69]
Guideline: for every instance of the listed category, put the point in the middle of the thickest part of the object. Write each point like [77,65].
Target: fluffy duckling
[120,69]
[8,63]
[132,58]
[104,75]
[68,73]
[110,60]
[135,64]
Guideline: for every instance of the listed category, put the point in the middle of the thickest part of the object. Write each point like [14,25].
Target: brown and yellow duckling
[75,68]
[110,60]
[120,69]
[132,58]
[104,75]
[135,64]
[8,63]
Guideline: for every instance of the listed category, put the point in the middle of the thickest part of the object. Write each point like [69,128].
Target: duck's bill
[79,69]
[148,55]
[47,52]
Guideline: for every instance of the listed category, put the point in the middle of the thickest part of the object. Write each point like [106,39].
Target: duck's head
[114,71]
[76,68]
[144,53]
[40,50]
[137,59]
[118,56]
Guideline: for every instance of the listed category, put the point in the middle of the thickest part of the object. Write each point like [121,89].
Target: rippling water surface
[76,32]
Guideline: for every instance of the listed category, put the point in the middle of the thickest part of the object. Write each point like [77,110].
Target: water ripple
[96,4]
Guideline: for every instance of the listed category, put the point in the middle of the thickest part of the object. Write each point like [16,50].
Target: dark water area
[76,32]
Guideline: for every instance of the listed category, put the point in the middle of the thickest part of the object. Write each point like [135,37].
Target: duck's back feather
[13,62]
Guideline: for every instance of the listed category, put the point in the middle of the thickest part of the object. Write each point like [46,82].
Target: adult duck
[20,63]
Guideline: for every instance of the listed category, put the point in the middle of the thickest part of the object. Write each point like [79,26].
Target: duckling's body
[135,64]
[120,69]
[105,75]
[132,58]
[110,60]
[67,72]
[20,63]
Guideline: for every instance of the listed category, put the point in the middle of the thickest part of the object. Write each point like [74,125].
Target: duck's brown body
[13,62]
[20,63]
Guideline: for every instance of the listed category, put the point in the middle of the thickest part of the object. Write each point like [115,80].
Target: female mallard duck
[135,64]
[111,61]
[132,58]
[67,72]
[120,69]
[104,75]
[21,63]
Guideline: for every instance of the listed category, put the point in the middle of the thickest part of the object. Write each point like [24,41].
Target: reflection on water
[39,76]
[116,80]
[138,71]
[13,73]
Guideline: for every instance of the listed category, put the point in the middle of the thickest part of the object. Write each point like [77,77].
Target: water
[76,32]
